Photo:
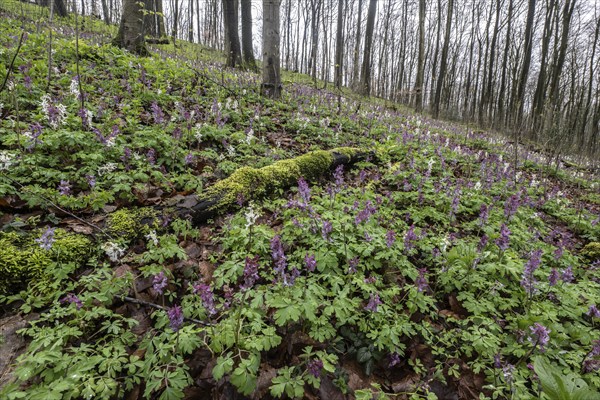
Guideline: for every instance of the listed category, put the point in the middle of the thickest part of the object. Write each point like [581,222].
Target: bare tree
[131,34]
[443,62]
[271,84]
[421,61]
[247,50]
[339,45]
[365,79]
[232,38]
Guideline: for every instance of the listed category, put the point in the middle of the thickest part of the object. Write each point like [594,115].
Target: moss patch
[127,224]
[591,251]
[249,183]
[22,260]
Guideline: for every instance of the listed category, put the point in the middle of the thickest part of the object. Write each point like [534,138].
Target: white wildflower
[231,151]
[251,216]
[7,159]
[110,142]
[136,156]
[250,136]
[107,168]
[444,244]
[1,107]
[74,88]
[113,251]
[10,85]
[324,122]
[477,186]
[430,165]
[151,237]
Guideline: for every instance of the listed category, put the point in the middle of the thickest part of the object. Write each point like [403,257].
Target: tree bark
[247,51]
[105,12]
[339,45]
[232,39]
[365,79]
[356,60]
[421,60]
[131,35]
[271,84]
[520,94]
[154,22]
[443,62]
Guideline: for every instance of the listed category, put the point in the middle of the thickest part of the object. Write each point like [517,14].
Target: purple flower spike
[527,280]
[159,282]
[250,273]
[540,335]
[410,238]
[503,240]
[71,298]
[64,188]
[304,190]
[593,311]
[390,238]
[567,275]
[421,281]
[47,239]
[310,261]
[553,277]
[207,297]
[175,315]
[374,301]
[315,367]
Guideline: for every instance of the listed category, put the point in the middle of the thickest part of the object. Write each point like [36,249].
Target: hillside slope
[447,265]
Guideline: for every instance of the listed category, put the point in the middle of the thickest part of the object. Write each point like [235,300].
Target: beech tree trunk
[365,80]
[520,94]
[232,38]
[271,84]
[339,45]
[247,50]
[131,33]
[443,62]
[154,22]
[421,60]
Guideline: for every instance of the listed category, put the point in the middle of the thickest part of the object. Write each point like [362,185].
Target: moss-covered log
[252,183]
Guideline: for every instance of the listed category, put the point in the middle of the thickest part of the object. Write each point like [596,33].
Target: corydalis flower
[326,229]
[47,239]
[409,238]
[553,277]
[315,367]
[207,297]
[64,188]
[175,315]
[304,191]
[394,359]
[278,256]
[593,311]
[390,238]
[113,251]
[72,299]
[527,280]
[157,113]
[503,240]
[310,262]
[567,275]
[540,335]
[55,114]
[159,282]
[421,281]
[374,301]
[250,272]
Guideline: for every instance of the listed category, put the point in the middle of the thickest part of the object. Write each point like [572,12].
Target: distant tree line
[529,67]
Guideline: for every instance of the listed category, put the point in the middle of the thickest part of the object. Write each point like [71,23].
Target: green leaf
[224,366]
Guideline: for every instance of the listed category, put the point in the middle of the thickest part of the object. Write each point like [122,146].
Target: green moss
[22,260]
[250,183]
[591,251]
[129,223]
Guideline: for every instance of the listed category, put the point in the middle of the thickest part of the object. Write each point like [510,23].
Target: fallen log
[248,184]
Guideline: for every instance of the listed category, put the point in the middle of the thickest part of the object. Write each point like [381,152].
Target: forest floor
[447,264]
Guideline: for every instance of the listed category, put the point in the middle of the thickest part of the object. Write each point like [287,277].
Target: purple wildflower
[409,238]
[504,239]
[151,156]
[593,311]
[159,282]
[175,315]
[421,281]
[280,260]
[540,335]
[553,277]
[497,361]
[315,367]
[374,301]
[176,133]
[64,188]
[484,212]
[36,131]
[338,176]
[310,262]
[591,363]
[47,239]
[394,359]
[304,191]
[157,113]
[91,180]
[366,213]
[207,297]
[511,206]
[390,238]
[567,275]
[72,299]
[482,243]
[353,263]
[250,272]
[527,280]
[326,229]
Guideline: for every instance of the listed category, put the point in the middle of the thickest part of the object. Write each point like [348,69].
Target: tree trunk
[365,79]
[248,52]
[175,20]
[131,35]
[501,95]
[421,61]
[339,43]
[154,22]
[271,84]
[232,39]
[105,12]
[520,95]
[443,62]
[487,93]
[356,61]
